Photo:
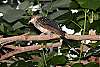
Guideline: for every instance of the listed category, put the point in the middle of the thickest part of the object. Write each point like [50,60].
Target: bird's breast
[42,29]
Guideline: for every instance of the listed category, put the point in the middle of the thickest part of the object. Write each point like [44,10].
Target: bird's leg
[48,33]
[30,42]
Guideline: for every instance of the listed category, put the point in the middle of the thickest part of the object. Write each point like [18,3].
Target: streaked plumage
[46,25]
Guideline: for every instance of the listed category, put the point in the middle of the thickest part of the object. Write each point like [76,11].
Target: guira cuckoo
[46,25]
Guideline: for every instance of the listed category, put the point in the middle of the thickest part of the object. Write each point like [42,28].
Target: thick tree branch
[39,37]
[27,48]
[83,37]
[47,37]
[27,38]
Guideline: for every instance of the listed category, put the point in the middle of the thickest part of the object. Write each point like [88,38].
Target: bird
[46,25]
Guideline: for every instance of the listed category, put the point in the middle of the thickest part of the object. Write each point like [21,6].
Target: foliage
[15,22]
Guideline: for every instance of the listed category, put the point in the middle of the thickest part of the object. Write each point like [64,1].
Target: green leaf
[16,32]
[2,27]
[24,5]
[13,15]
[77,65]
[80,17]
[3,64]
[81,23]
[20,63]
[96,26]
[7,26]
[54,5]
[60,21]
[4,8]
[45,0]
[92,64]
[18,25]
[59,59]
[90,4]
[96,16]
[74,4]
[61,3]
[57,14]
[72,25]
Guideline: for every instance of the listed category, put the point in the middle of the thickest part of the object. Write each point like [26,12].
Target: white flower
[5,1]
[36,7]
[69,31]
[78,33]
[74,11]
[1,14]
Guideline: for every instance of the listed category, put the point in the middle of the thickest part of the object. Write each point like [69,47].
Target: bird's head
[34,19]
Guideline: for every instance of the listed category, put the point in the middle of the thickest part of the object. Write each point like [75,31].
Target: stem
[81,47]
[76,24]
[51,4]
[44,57]
[84,22]
[92,16]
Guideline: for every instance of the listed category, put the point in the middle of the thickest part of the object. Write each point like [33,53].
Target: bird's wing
[51,23]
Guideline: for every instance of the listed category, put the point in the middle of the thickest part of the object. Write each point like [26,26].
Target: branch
[40,37]
[27,38]
[47,37]
[27,48]
[83,37]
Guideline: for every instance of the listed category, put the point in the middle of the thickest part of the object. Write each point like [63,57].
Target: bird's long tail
[65,40]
